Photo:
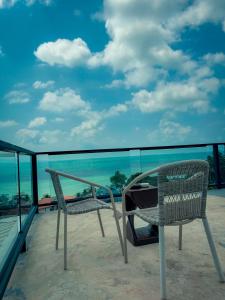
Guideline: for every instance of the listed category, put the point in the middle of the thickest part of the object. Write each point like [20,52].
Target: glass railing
[222,162]
[9,212]
[26,193]
[16,205]
[114,168]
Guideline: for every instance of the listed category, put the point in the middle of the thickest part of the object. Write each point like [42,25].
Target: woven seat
[182,193]
[183,211]
[81,207]
[150,215]
[86,206]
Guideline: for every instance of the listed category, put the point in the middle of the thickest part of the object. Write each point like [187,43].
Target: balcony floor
[95,266]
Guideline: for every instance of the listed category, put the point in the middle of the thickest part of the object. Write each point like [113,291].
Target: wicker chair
[182,193]
[80,207]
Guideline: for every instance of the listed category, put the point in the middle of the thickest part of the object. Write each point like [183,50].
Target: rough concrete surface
[96,270]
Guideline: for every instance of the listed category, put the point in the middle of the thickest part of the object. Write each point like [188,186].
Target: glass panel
[151,159]
[222,162]
[8,203]
[109,169]
[212,172]
[26,193]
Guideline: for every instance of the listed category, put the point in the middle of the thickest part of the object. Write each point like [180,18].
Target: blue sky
[113,73]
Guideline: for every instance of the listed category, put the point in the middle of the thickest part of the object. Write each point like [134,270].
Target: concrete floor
[96,269]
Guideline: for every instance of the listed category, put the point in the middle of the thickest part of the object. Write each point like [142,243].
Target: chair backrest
[58,189]
[182,191]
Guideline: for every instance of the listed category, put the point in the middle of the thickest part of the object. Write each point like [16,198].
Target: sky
[111,74]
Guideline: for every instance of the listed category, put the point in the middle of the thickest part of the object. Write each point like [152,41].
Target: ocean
[97,167]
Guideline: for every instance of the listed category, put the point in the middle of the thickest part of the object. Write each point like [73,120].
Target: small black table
[141,196]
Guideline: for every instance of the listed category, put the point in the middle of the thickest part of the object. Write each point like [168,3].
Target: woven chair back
[182,191]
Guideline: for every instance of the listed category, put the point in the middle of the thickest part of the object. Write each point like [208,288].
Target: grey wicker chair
[80,207]
[182,193]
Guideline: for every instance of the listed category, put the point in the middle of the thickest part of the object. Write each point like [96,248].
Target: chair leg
[65,241]
[57,230]
[125,239]
[119,232]
[180,237]
[100,222]
[162,263]
[213,250]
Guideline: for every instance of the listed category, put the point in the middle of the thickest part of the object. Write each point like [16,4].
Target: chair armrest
[72,177]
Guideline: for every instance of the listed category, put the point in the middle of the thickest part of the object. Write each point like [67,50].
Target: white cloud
[114,84]
[7,3]
[172,129]
[34,137]
[63,52]
[179,96]
[88,128]
[51,137]
[17,97]
[36,122]
[169,130]
[140,41]
[63,100]
[43,2]
[214,58]
[115,110]
[94,121]
[8,123]
[141,35]
[27,134]
[11,3]
[200,12]
[43,85]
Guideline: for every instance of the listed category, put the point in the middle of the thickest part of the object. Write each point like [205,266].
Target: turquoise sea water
[93,167]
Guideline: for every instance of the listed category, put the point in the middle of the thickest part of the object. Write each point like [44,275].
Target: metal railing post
[216,160]
[35,180]
[18,189]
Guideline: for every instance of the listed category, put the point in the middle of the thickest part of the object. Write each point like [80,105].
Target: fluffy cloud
[141,35]
[44,2]
[36,137]
[178,96]
[94,121]
[64,52]
[11,3]
[39,121]
[51,137]
[8,123]
[63,100]
[115,110]
[27,134]
[43,85]
[7,3]
[140,41]
[88,128]
[167,130]
[214,58]
[199,12]
[17,97]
